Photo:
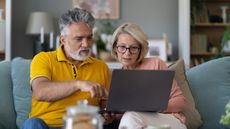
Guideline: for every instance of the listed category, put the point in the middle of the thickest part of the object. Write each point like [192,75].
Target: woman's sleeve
[177,100]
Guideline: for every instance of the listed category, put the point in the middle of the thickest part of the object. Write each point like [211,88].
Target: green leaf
[225,119]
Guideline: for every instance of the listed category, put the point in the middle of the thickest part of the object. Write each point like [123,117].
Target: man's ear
[62,39]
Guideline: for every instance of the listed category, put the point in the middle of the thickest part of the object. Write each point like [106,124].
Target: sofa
[207,85]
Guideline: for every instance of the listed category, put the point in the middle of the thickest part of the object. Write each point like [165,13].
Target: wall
[154,16]
[2,6]
[22,44]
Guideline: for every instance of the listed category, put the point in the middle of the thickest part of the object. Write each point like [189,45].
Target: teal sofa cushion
[210,86]
[21,88]
[7,112]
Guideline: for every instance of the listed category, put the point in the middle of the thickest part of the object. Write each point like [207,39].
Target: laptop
[139,90]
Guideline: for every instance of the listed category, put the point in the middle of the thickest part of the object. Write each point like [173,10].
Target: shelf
[217,0]
[210,24]
[203,54]
[207,54]
[205,34]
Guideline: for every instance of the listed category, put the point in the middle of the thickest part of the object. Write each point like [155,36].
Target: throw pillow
[7,113]
[191,113]
[20,72]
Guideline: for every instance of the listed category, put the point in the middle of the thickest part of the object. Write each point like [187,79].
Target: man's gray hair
[75,15]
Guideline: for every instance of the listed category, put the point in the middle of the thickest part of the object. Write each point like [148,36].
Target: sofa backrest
[20,74]
[7,112]
[209,83]
[210,86]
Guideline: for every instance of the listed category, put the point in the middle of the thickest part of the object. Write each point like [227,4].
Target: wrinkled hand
[110,117]
[95,89]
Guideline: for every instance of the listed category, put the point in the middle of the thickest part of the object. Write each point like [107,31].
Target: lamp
[40,23]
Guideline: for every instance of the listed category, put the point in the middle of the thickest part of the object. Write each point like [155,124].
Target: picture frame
[157,48]
[100,9]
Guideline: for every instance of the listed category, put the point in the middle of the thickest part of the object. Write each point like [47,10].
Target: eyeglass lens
[132,50]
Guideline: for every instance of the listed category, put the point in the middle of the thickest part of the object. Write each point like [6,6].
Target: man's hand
[46,90]
[95,89]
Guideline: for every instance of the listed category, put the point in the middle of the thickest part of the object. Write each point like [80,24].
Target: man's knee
[34,123]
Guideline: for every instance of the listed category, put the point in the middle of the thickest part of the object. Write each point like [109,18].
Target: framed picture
[101,9]
[157,48]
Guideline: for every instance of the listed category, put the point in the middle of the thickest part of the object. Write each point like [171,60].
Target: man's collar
[62,57]
[60,54]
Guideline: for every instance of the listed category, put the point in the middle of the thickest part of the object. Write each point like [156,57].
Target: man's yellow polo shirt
[55,66]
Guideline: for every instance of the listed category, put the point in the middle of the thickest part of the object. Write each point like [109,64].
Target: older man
[61,78]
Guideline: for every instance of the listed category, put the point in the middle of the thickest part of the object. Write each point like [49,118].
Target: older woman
[129,46]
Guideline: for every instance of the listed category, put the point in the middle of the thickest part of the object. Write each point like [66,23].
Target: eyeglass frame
[129,48]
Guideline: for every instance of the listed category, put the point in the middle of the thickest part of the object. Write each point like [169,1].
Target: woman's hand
[110,117]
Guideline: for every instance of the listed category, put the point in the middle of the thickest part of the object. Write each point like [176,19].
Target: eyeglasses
[132,50]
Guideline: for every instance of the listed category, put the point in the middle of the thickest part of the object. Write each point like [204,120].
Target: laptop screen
[139,90]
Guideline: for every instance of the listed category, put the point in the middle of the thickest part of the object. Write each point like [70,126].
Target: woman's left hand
[110,117]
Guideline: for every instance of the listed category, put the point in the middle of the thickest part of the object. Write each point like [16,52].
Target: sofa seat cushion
[20,71]
[193,118]
[210,86]
[7,112]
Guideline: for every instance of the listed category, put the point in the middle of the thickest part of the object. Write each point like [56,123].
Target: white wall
[184,31]
[8,30]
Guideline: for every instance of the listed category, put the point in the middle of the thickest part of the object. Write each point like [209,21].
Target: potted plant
[224,41]
[102,37]
[225,119]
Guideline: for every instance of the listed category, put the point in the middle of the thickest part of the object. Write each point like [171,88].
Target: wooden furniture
[2,29]
[2,55]
[206,33]
[6,6]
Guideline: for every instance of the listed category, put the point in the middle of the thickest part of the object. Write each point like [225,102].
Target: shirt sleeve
[177,101]
[40,66]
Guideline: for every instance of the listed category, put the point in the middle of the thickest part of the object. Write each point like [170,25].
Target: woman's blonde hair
[136,32]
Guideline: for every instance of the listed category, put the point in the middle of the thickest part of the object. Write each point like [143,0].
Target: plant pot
[105,56]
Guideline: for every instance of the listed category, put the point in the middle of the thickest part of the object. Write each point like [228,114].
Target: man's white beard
[76,54]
